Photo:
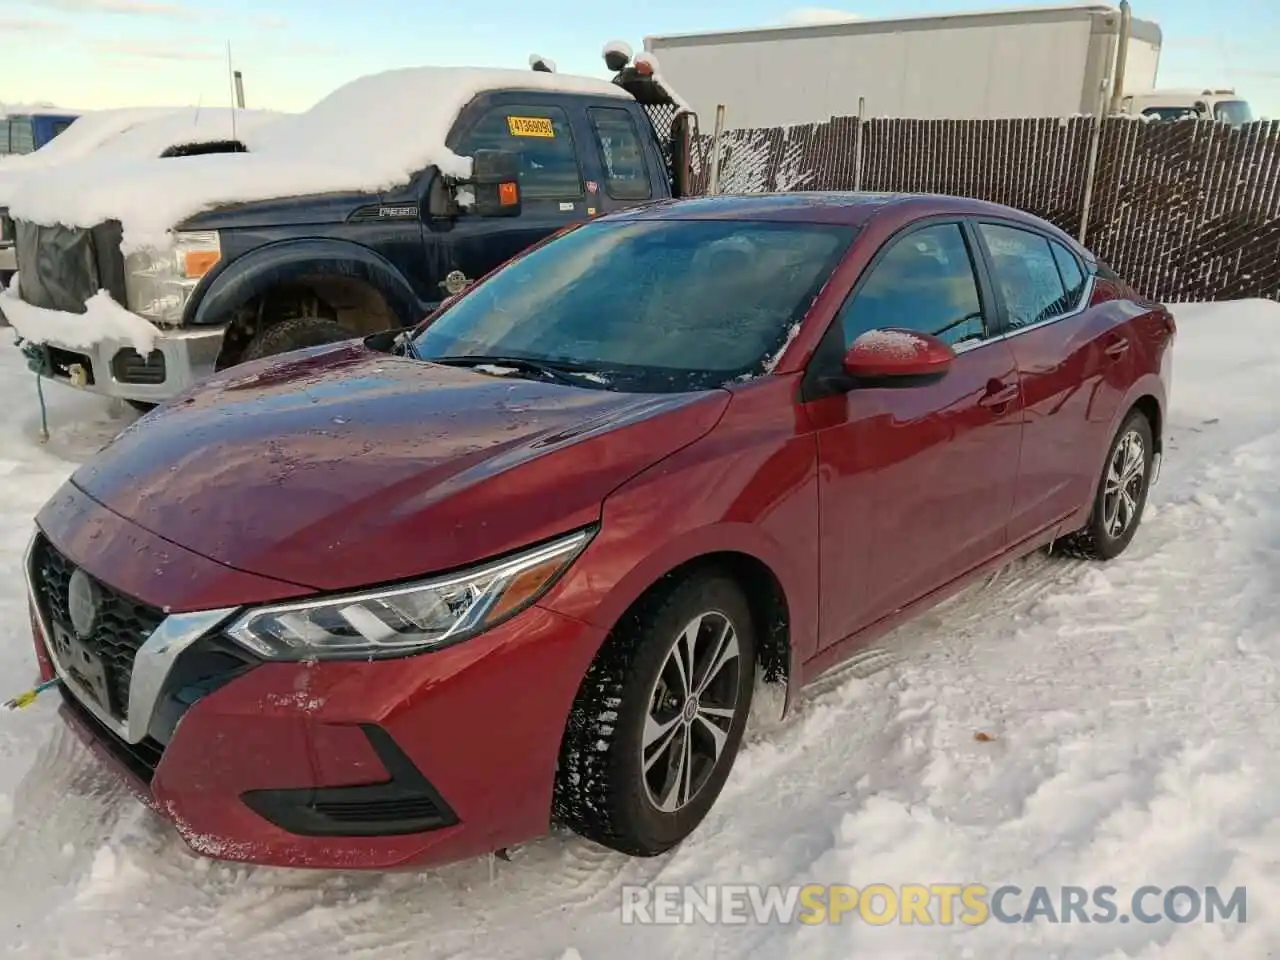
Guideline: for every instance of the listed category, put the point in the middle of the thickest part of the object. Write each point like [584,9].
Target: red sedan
[410,599]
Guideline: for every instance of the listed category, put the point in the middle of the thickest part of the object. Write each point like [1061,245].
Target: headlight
[159,283]
[409,618]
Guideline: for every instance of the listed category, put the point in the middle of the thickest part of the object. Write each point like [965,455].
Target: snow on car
[1128,713]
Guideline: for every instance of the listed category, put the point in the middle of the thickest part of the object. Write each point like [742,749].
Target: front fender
[286,261]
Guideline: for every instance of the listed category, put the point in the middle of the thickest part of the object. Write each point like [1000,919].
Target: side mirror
[495,182]
[897,355]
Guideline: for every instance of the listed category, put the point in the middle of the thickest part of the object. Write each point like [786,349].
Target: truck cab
[23,133]
[252,279]
[1222,106]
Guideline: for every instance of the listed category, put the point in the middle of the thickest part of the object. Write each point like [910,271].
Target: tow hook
[78,375]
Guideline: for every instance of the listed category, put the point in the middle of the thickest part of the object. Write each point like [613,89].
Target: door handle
[999,394]
[1116,348]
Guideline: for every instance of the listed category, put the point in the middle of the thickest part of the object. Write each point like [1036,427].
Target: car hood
[341,467]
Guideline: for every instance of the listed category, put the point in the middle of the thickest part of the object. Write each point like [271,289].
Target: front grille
[62,267]
[123,623]
[129,366]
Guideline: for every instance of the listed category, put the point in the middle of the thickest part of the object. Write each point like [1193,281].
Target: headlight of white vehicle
[410,618]
[160,282]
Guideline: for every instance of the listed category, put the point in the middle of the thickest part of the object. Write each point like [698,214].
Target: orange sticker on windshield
[531,127]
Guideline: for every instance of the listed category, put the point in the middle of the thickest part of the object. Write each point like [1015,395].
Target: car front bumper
[417,761]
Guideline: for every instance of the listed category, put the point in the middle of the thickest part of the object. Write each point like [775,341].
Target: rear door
[547,131]
[1074,365]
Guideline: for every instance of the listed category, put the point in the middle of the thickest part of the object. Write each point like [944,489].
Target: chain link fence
[1188,210]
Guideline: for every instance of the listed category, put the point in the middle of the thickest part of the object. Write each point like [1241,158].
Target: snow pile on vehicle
[134,133]
[373,134]
[103,320]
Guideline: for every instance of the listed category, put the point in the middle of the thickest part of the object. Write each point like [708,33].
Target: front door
[553,186]
[916,481]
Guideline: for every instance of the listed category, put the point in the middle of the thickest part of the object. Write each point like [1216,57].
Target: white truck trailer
[1051,61]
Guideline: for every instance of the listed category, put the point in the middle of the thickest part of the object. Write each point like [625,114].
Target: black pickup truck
[299,271]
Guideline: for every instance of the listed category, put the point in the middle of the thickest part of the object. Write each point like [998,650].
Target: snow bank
[1131,706]
[139,133]
[103,319]
[371,135]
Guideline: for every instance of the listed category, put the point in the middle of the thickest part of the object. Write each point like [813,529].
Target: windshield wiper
[569,372]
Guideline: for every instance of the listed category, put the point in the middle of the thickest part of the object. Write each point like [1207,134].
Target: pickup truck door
[553,182]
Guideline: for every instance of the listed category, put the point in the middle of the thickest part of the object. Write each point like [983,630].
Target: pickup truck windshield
[647,305]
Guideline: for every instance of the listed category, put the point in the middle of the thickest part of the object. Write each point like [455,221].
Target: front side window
[541,135]
[1026,272]
[626,175]
[21,135]
[657,306]
[923,282]
[1234,112]
[60,126]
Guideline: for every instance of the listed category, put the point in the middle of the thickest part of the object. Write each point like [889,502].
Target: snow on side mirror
[495,183]
[902,356]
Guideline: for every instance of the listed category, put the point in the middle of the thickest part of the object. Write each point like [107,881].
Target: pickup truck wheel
[141,405]
[297,333]
[659,718]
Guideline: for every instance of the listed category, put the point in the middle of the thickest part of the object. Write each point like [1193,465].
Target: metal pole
[1122,56]
[1095,141]
[713,185]
[857,145]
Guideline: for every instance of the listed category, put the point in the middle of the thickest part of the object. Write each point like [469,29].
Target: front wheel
[296,333]
[659,718]
[1121,495]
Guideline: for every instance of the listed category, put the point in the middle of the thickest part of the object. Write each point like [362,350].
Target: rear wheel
[297,333]
[659,718]
[1121,495]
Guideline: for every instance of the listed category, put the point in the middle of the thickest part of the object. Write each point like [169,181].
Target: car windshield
[1234,112]
[658,306]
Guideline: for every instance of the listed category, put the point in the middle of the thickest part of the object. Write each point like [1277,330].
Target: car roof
[832,207]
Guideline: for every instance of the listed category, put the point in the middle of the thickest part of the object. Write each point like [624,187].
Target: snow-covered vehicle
[137,280]
[122,135]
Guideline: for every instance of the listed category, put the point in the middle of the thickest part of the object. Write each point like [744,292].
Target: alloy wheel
[1122,491]
[691,710]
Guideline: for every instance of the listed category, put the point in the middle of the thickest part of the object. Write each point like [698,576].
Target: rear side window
[61,125]
[1026,270]
[541,135]
[21,137]
[626,175]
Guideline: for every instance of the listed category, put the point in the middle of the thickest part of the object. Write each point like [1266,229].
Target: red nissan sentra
[413,598]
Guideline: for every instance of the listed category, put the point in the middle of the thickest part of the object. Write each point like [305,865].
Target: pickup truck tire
[297,333]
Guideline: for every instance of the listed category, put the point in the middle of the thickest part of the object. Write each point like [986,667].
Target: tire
[603,791]
[1099,539]
[296,333]
[141,405]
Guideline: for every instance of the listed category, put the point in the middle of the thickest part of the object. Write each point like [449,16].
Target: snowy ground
[1133,708]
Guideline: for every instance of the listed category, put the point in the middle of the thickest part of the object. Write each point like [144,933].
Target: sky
[98,53]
